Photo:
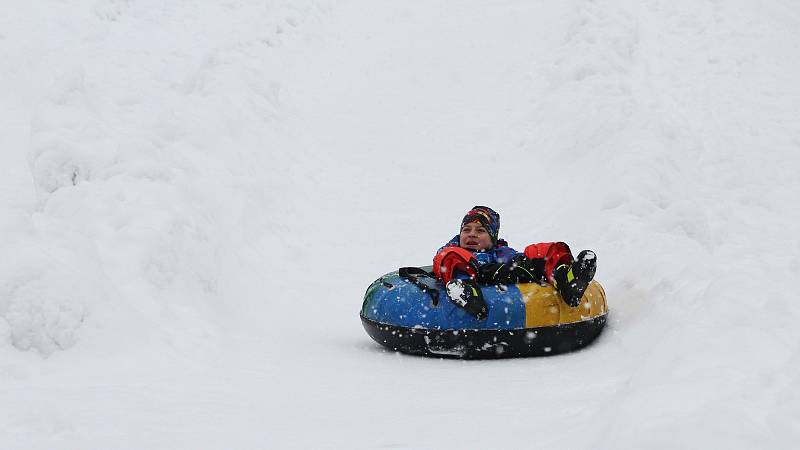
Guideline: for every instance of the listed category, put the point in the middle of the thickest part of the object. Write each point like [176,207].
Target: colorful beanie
[487,217]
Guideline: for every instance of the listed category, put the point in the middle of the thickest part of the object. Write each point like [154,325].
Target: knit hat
[487,217]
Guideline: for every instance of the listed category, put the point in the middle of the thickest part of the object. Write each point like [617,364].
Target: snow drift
[195,197]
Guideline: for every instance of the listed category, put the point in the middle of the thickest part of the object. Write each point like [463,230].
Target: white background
[195,195]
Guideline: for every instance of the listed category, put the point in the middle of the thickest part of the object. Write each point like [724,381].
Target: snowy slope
[195,196]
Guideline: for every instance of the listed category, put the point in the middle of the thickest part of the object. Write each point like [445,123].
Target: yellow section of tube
[544,306]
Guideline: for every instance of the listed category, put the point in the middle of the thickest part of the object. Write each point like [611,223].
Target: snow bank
[195,197]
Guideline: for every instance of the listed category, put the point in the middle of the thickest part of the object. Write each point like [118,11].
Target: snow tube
[412,314]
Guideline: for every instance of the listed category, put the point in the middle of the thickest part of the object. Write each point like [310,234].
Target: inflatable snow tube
[412,314]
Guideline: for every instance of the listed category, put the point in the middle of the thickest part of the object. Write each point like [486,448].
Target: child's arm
[450,259]
[519,270]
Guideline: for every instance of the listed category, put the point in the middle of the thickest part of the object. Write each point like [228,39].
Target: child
[477,252]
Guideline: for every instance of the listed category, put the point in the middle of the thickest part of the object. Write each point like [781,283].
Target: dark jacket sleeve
[519,270]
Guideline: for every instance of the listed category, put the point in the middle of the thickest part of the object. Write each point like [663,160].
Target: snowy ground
[196,194]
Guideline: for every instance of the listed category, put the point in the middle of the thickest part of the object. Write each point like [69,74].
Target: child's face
[475,237]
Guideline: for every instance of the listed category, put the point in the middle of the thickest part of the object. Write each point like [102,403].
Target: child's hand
[454,258]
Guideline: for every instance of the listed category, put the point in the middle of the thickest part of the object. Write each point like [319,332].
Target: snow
[195,196]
